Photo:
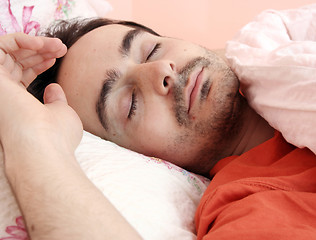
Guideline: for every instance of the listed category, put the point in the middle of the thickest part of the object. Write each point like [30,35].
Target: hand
[29,125]
[38,142]
[24,56]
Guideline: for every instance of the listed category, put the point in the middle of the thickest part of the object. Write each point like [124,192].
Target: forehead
[106,38]
[88,59]
[83,69]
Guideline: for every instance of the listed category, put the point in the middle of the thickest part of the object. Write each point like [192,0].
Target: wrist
[31,159]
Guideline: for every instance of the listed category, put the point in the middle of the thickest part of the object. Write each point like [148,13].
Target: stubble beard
[213,134]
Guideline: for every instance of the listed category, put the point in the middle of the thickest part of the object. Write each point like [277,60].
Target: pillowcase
[157,198]
[30,16]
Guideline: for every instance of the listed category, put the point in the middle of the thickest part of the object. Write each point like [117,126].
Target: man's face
[159,96]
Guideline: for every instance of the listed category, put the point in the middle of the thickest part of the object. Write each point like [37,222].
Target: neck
[254,131]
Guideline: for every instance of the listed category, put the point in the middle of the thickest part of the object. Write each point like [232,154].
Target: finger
[8,63]
[34,60]
[53,45]
[43,66]
[28,58]
[55,100]
[53,93]
[13,42]
[50,52]
[22,46]
[22,54]
[30,74]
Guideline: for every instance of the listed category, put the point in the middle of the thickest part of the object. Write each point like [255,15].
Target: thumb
[53,92]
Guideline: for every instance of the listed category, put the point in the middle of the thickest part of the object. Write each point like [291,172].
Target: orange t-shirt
[268,192]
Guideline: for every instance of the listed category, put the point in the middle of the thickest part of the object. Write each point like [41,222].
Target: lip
[195,80]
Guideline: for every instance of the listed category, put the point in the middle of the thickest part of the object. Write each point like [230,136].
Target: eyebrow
[128,40]
[112,76]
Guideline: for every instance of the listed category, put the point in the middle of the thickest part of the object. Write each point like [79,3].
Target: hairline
[69,32]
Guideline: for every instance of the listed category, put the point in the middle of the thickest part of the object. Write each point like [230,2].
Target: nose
[158,76]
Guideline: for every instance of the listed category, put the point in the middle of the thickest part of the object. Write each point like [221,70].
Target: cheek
[164,139]
[154,132]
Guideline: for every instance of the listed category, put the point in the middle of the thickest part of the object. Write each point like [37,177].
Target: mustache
[179,107]
[185,71]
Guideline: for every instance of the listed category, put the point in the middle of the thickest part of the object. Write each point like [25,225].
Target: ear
[53,92]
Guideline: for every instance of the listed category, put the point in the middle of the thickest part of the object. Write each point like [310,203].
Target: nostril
[172,66]
[165,83]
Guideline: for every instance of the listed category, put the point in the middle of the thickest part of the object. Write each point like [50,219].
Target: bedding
[274,56]
[30,16]
[156,197]
[269,191]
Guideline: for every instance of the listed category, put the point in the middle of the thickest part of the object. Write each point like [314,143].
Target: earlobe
[54,92]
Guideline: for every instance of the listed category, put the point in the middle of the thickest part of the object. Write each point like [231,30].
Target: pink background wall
[207,22]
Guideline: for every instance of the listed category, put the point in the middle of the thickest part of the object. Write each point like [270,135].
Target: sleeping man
[156,95]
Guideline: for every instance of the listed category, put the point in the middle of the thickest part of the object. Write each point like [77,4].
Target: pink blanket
[274,57]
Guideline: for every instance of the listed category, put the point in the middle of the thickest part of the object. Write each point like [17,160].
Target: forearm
[38,141]
[58,201]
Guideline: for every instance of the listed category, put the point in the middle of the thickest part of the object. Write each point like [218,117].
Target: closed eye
[153,51]
[133,106]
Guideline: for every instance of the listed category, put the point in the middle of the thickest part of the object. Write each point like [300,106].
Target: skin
[41,140]
[164,123]
[49,133]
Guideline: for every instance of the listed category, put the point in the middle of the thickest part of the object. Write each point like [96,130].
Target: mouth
[193,88]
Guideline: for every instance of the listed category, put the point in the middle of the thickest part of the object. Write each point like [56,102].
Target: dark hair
[69,31]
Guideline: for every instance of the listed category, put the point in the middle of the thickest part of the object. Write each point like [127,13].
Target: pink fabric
[28,25]
[274,57]
[17,232]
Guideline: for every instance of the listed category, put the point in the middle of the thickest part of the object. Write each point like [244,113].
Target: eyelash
[133,108]
[154,51]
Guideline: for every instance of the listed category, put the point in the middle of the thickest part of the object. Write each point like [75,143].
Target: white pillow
[158,198]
